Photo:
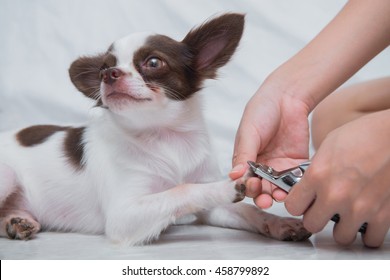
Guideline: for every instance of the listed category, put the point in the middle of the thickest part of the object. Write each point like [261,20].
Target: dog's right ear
[85,74]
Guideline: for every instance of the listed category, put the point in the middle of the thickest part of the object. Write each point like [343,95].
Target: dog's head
[152,72]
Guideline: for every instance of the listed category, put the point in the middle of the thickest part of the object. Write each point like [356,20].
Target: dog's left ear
[84,74]
[214,42]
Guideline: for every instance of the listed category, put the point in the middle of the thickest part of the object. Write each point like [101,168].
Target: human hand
[349,175]
[274,130]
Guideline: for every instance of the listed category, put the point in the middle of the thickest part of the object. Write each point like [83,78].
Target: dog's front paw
[287,229]
[20,228]
[240,186]
[240,192]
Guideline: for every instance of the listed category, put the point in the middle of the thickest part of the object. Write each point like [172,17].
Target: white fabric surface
[39,40]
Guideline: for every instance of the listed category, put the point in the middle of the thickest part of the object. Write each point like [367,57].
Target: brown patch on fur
[37,134]
[186,64]
[190,62]
[74,147]
[176,75]
[85,73]
[109,60]
[214,42]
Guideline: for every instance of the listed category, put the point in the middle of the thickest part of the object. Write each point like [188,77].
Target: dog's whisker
[87,71]
[174,94]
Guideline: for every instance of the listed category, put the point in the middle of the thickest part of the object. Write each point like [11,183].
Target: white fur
[125,47]
[124,186]
[145,165]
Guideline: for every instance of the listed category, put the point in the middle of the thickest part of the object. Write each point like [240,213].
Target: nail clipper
[286,179]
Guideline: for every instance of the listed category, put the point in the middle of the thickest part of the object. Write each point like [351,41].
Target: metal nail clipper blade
[286,179]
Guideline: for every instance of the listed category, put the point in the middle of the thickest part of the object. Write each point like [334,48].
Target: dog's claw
[240,195]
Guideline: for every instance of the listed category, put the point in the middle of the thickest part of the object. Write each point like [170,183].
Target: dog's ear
[214,42]
[85,74]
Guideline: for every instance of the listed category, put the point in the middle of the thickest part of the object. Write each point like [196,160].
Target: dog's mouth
[116,95]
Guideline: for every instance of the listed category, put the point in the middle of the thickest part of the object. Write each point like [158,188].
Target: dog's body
[126,173]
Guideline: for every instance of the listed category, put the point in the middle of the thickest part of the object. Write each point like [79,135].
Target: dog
[143,161]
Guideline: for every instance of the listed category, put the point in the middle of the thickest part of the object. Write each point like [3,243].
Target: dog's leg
[137,221]
[248,217]
[15,223]
[7,182]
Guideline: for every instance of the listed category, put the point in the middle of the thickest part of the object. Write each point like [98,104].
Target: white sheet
[39,40]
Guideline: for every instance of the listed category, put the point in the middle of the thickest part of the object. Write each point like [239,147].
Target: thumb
[245,150]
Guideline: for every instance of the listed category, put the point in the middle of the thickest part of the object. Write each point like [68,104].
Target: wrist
[335,54]
[285,84]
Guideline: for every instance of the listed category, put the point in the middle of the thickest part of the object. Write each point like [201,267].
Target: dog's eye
[154,63]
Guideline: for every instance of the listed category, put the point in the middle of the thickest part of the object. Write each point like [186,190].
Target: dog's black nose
[110,75]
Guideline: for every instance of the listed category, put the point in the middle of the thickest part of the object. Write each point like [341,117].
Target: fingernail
[237,168]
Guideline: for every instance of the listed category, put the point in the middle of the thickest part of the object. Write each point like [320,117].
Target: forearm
[358,33]
[348,104]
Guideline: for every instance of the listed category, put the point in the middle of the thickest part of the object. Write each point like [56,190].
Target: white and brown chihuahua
[143,161]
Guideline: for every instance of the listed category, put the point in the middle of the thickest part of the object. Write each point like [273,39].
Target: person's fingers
[378,224]
[377,227]
[371,204]
[279,195]
[245,150]
[238,171]
[346,229]
[355,208]
[247,144]
[253,187]
[263,201]
[300,197]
